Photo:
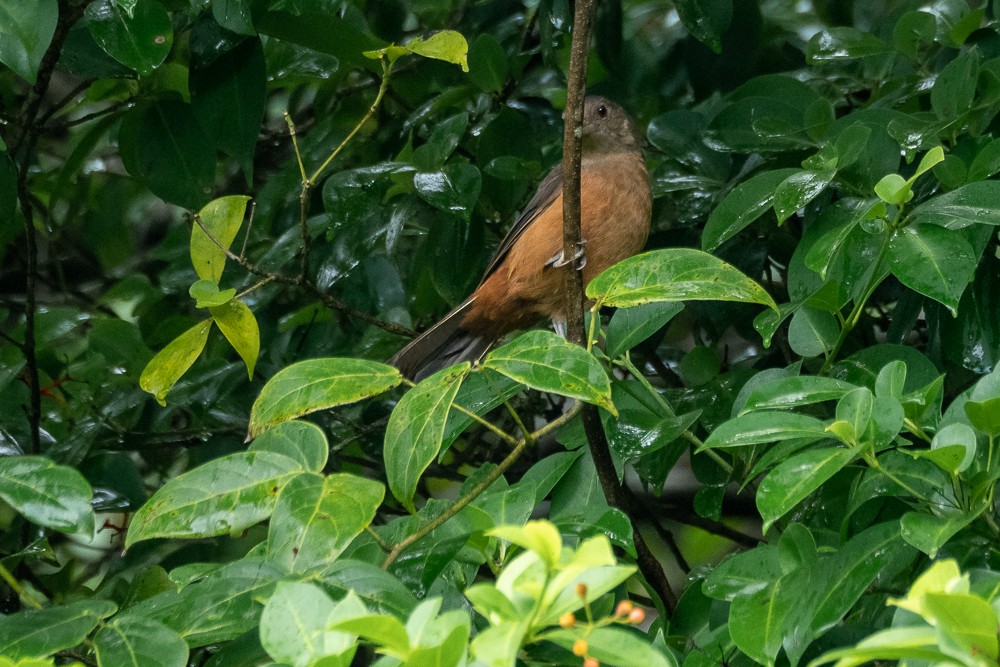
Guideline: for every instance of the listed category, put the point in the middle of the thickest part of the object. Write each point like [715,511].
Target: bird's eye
[602,111]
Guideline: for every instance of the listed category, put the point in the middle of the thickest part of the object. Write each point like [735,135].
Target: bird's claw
[579,257]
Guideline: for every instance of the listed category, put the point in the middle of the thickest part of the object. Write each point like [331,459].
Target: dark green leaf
[488,63]
[747,202]
[630,326]
[140,39]
[795,478]
[26,33]
[975,203]
[844,43]
[763,427]
[788,392]
[454,189]
[955,86]
[138,642]
[934,261]
[163,146]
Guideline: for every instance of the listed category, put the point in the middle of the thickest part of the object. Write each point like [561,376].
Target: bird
[523,284]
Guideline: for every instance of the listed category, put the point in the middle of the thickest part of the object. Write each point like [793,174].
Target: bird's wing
[548,191]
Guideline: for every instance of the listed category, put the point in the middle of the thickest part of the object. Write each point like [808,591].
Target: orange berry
[567,620]
[636,616]
[580,647]
[581,590]
[591,662]
[624,608]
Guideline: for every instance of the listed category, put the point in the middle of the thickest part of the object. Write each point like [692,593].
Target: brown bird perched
[523,284]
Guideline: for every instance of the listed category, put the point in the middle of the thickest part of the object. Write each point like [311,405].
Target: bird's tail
[444,344]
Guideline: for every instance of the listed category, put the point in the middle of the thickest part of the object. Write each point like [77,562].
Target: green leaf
[913,31]
[46,493]
[985,164]
[613,646]
[975,203]
[221,497]
[228,95]
[140,39]
[845,575]
[855,408]
[965,619]
[222,218]
[547,362]
[955,86]
[844,43]
[488,63]
[764,427]
[812,332]
[760,622]
[929,532]
[316,518]
[747,202]
[239,326]
[163,146]
[26,29]
[294,627]
[790,392]
[957,436]
[630,326]
[706,21]
[454,189]
[416,429]
[934,261]
[674,274]
[38,633]
[446,45]
[206,294]
[798,190]
[984,415]
[795,478]
[893,189]
[318,384]
[540,537]
[166,368]
[907,643]
[222,605]
[138,642]
[302,441]
[744,574]
[233,15]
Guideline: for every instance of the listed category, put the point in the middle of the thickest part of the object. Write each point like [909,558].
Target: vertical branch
[22,150]
[615,494]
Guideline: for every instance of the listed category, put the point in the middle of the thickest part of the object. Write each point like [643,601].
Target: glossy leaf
[223,496]
[763,427]
[166,368]
[318,384]
[545,361]
[137,642]
[316,518]
[163,146]
[416,429]
[630,326]
[140,39]
[795,478]
[932,260]
[744,204]
[798,190]
[929,532]
[46,493]
[793,391]
[299,440]
[614,646]
[972,204]
[488,63]
[222,218]
[454,189]
[239,326]
[37,633]
[206,294]
[676,274]
[26,33]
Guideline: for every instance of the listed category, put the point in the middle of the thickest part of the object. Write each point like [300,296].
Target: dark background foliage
[774,130]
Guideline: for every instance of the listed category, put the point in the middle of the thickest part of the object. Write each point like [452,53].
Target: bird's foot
[579,257]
